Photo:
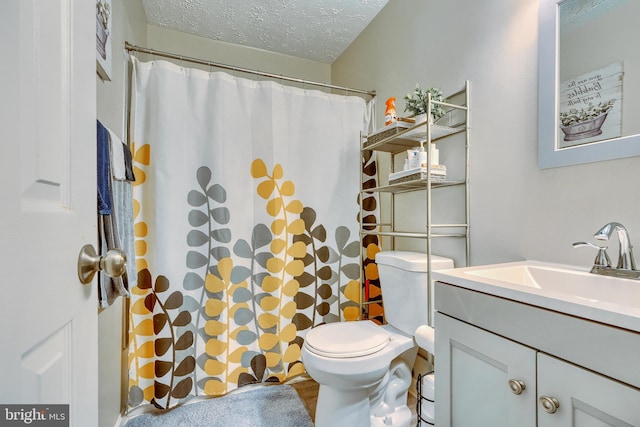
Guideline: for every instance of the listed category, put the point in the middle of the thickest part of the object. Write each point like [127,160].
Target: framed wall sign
[103,38]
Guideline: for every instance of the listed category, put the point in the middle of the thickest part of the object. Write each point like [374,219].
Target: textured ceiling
[319,30]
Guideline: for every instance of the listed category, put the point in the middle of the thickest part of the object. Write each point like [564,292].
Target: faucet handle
[602,258]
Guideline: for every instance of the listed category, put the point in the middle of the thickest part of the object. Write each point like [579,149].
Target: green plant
[416,102]
[575,116]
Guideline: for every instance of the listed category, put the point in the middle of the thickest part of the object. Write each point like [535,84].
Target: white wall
[167,40]
[517,211]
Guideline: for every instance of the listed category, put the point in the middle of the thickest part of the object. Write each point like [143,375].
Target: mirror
[589,76]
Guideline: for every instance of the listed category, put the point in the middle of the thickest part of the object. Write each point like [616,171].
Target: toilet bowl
[364,370]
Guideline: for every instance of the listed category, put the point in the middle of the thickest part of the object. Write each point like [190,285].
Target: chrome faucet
[626,266]
[625,251]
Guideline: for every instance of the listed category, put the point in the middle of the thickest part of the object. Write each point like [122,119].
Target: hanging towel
[122,193]
[128,162]
[118,167]
[104,177]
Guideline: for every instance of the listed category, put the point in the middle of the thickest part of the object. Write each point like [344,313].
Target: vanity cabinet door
[478,375]
[584,398]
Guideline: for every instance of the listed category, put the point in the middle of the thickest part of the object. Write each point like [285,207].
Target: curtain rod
[129,48]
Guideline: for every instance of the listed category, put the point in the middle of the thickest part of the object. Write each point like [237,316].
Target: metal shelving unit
[397,140]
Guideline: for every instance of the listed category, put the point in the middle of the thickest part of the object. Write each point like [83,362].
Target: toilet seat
[347,339]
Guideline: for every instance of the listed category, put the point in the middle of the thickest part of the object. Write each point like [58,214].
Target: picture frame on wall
[103,39]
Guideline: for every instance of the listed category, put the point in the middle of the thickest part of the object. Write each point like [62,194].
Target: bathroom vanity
[535,344]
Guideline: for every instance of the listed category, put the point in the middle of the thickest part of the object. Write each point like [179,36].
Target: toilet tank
[403,281]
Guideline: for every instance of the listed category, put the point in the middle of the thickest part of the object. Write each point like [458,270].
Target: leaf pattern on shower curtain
[239,318]
[370,242]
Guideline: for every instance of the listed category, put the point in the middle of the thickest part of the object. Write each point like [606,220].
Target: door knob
[517,386]
[549,404]
[89,263]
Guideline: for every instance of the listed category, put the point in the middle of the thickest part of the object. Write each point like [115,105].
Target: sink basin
[562,288]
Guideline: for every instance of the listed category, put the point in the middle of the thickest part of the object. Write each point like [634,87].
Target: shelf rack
[398,139]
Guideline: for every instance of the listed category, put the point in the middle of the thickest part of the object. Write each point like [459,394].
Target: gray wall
[517,211]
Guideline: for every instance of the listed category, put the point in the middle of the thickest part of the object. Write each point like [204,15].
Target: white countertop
[565,289]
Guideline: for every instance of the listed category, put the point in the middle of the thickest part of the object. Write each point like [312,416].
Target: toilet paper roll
[425,338]
[428,387]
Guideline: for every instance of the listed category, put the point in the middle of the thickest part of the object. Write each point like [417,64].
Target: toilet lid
[347,339]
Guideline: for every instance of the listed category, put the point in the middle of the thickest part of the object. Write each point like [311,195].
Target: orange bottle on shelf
[390,114]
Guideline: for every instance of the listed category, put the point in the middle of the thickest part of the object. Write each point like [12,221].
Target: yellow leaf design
[141,177]
[141,264]
[297,250]
[289,310]
[267,320]
[265,189]
[258,169]
[288,333]
[292,354]
[236,355]
[140,247]
[214,367]
[351,313]
[271,283]
[146,350]
[295,267]
[137,291]
[214,327]
[274,206]
[275,265]
[278,226]
[371,271]
[278,172]
[215,347]
[213,283]
[268,341]
[372,250]
[352,291]
[143,154]
[225,266]
[144,328]
[297,369]
[149,393]
[136,208]
[295,207]
[214,387]
[273,359]
[269,303]
[147,371]
[291,288]
[296,227]
[278,245]
[140,229]
[288,189]
[214,307]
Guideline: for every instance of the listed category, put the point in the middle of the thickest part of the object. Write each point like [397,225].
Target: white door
[572,396]
[48,320]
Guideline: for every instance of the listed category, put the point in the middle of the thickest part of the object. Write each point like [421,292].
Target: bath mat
[262,406]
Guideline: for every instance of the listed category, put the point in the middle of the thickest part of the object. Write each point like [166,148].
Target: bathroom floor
[308,391]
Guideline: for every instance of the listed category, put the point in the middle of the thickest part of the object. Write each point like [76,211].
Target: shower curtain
[246,223]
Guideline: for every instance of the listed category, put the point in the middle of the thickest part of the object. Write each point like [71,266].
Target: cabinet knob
[549,404]
[517,386]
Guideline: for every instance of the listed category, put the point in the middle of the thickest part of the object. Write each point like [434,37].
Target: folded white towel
[118,167]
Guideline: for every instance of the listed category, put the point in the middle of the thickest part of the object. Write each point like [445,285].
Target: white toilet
[364,370]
